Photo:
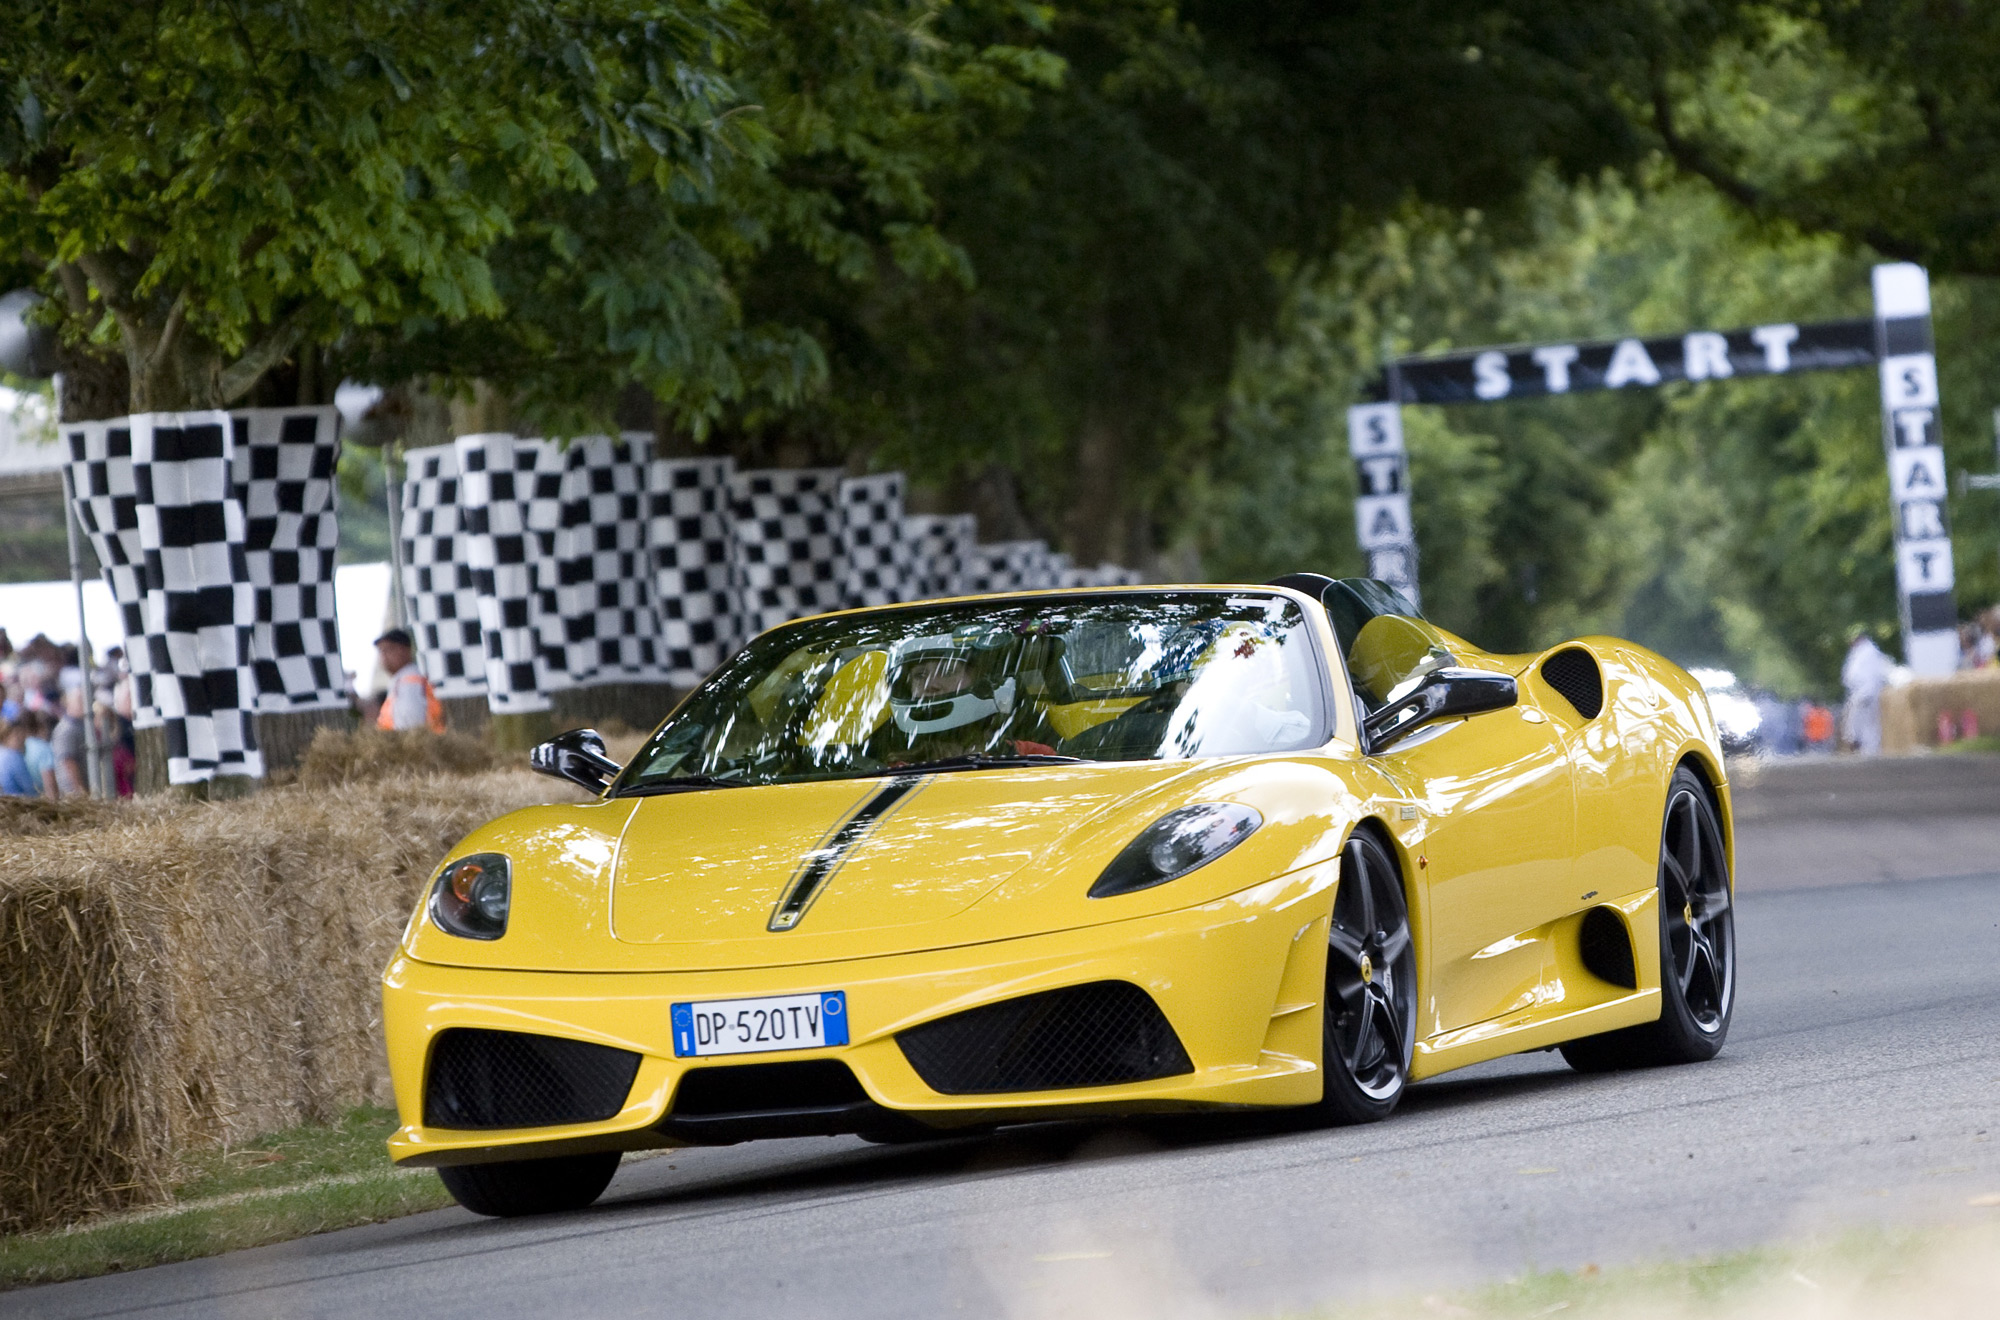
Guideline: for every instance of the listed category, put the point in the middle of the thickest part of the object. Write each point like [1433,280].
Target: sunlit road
[1859,1086]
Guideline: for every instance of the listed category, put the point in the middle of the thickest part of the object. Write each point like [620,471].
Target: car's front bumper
[1240,980]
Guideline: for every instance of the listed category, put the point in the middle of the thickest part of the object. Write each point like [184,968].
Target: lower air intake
[1099,1034]
[510,1079]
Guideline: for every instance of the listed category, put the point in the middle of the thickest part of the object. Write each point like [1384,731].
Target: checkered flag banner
[199,603]
[941,548]
[283,467]
[1104,575]
[786,528]
[438,585]
[1008,566]
[510,491]
[610,627]
[871,534]
[107,507]
[689,535]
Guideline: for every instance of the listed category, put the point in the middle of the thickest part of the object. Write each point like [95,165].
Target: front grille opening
[1607,948]
[512,1079]
[1101,1034]
[1574,673]
[750,1088]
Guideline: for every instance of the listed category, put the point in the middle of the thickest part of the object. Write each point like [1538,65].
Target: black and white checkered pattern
[510,491]
[283,468]
[940,549]
[200,606]
[688,531]
[787,538]
[609,626]
[1104,575]
[1008,566]
[871,534]
[107,507]
[438,585]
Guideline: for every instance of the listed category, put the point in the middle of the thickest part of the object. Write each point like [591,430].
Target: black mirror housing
[577,756]
[1443,694]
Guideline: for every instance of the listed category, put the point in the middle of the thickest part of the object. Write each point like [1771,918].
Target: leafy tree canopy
[207,185]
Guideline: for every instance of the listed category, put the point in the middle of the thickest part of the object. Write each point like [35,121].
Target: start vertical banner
[1382,501]
[1910,434]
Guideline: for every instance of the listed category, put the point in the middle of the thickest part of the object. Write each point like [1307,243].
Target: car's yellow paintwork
[1509,826]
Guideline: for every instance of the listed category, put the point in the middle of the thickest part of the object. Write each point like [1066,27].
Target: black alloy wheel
[530,1187]
[1371,988]
[1697,945]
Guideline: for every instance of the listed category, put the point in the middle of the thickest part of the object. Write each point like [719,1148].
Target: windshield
[1126,677]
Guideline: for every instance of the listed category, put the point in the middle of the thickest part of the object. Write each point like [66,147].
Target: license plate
[754,1026]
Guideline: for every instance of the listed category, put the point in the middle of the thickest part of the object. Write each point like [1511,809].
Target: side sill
[1529,1031]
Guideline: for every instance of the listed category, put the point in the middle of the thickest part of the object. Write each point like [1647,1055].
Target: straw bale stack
[175,974]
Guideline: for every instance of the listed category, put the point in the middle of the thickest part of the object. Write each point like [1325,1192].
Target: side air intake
[512,1079]
[1574,673]
[1099,1034]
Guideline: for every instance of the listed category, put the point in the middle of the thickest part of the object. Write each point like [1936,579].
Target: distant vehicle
[1738,717]
[929,868]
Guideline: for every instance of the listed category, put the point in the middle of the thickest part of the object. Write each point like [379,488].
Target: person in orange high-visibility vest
[409,703]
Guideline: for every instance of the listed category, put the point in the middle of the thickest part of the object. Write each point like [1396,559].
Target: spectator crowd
[44,704]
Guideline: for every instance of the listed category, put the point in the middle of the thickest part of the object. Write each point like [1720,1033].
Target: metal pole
[393,493]
[93,754]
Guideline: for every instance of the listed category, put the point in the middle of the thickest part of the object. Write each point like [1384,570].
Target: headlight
[470,897]
[1176,843]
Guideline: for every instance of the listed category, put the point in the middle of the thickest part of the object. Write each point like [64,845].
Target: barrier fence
[531,567]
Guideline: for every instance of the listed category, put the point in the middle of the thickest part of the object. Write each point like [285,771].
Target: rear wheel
[1369,1026]
[530,1187]
[1697,945]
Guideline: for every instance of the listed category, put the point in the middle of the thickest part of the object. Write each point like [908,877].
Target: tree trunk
[94,386]
[1098,516]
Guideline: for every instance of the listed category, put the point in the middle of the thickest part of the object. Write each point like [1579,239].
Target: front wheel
[1369,1025]
[1697,945]
[530,1187]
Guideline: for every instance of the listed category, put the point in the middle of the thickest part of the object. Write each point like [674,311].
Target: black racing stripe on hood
[820,864]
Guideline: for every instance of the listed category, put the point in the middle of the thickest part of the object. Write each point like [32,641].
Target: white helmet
[917,713]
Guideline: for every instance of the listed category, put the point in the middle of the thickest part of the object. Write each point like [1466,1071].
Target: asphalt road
[1858,1087]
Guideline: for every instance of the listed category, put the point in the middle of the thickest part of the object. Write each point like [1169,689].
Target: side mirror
[1440,694]
[577,756]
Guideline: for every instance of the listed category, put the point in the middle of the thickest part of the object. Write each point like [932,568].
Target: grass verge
[1877,1274]
[291,1184]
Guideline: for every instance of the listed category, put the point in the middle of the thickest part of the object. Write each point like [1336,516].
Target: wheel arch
[1702,762]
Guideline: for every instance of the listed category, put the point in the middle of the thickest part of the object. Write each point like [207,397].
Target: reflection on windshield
[1130,677]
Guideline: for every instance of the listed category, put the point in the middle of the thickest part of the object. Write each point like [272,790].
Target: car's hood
[853,868]
[841,856]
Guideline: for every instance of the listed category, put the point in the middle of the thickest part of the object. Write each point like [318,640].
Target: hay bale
[181,973]
[366,755]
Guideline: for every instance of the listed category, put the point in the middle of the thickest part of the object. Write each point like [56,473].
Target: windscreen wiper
[676,784]
[976,761]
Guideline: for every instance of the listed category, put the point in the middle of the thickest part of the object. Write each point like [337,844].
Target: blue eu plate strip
[683,1020]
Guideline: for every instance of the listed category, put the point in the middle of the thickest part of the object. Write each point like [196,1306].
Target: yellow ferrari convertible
[908,871]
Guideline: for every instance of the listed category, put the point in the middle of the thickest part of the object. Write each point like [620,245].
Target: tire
[530,1187]
[1368,1027]
[1697,945]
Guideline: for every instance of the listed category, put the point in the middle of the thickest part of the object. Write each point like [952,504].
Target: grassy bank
[308,1179]
[1877,1274]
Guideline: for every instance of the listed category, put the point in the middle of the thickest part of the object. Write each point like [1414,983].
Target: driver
[945,702]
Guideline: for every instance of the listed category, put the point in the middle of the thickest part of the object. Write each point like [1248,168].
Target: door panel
[1500,829]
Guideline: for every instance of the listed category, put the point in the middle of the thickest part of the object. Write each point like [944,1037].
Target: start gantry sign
[1897,340]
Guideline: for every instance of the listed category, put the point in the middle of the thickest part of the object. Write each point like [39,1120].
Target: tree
[207,186]
[1123,236]
[1873,120]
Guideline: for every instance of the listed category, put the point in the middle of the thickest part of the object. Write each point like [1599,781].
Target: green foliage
[208,185]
